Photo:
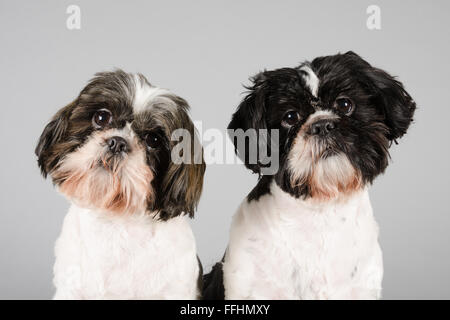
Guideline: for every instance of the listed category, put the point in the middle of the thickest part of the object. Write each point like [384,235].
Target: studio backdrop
[205,52]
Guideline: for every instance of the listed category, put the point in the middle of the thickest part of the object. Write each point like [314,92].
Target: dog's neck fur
[340,205]
[144,219]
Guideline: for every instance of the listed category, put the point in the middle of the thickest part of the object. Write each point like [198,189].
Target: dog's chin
[118,184]
[333,176]
[326,171]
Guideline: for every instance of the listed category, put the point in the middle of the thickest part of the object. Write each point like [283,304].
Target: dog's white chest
[286,248]
[125,258]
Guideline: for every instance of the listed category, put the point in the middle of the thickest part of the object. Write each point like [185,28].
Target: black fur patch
[200,277]
[213,288]
[262,188]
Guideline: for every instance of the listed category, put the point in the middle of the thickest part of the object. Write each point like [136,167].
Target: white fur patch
[144,94]
[311,79]
[133,257]
[286,248]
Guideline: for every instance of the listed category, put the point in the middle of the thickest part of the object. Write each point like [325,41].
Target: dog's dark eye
[152,140]
[291,118]
[102,118]
[344,105]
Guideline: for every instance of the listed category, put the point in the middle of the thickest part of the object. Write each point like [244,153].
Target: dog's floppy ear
[250,114]
[388,94]
[181,189]
[181,185]
[53,134]
[396,104]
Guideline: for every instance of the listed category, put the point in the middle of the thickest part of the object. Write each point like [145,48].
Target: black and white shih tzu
[126,235]
[307,231]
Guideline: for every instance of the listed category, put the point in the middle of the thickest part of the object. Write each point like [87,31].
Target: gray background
[204,51]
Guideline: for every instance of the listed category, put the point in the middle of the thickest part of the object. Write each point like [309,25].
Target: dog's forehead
[325,78]
[125,92]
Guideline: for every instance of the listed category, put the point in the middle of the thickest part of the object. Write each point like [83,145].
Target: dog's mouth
[111,162]
[323,148]
[328,152]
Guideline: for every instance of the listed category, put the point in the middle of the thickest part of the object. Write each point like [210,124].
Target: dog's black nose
[322,127]
[117,145]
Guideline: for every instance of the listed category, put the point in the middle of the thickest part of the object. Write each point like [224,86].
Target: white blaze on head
[144,93]
[311,79]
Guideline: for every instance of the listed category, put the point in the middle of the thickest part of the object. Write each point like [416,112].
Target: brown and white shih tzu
[307,231]
[126,235]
